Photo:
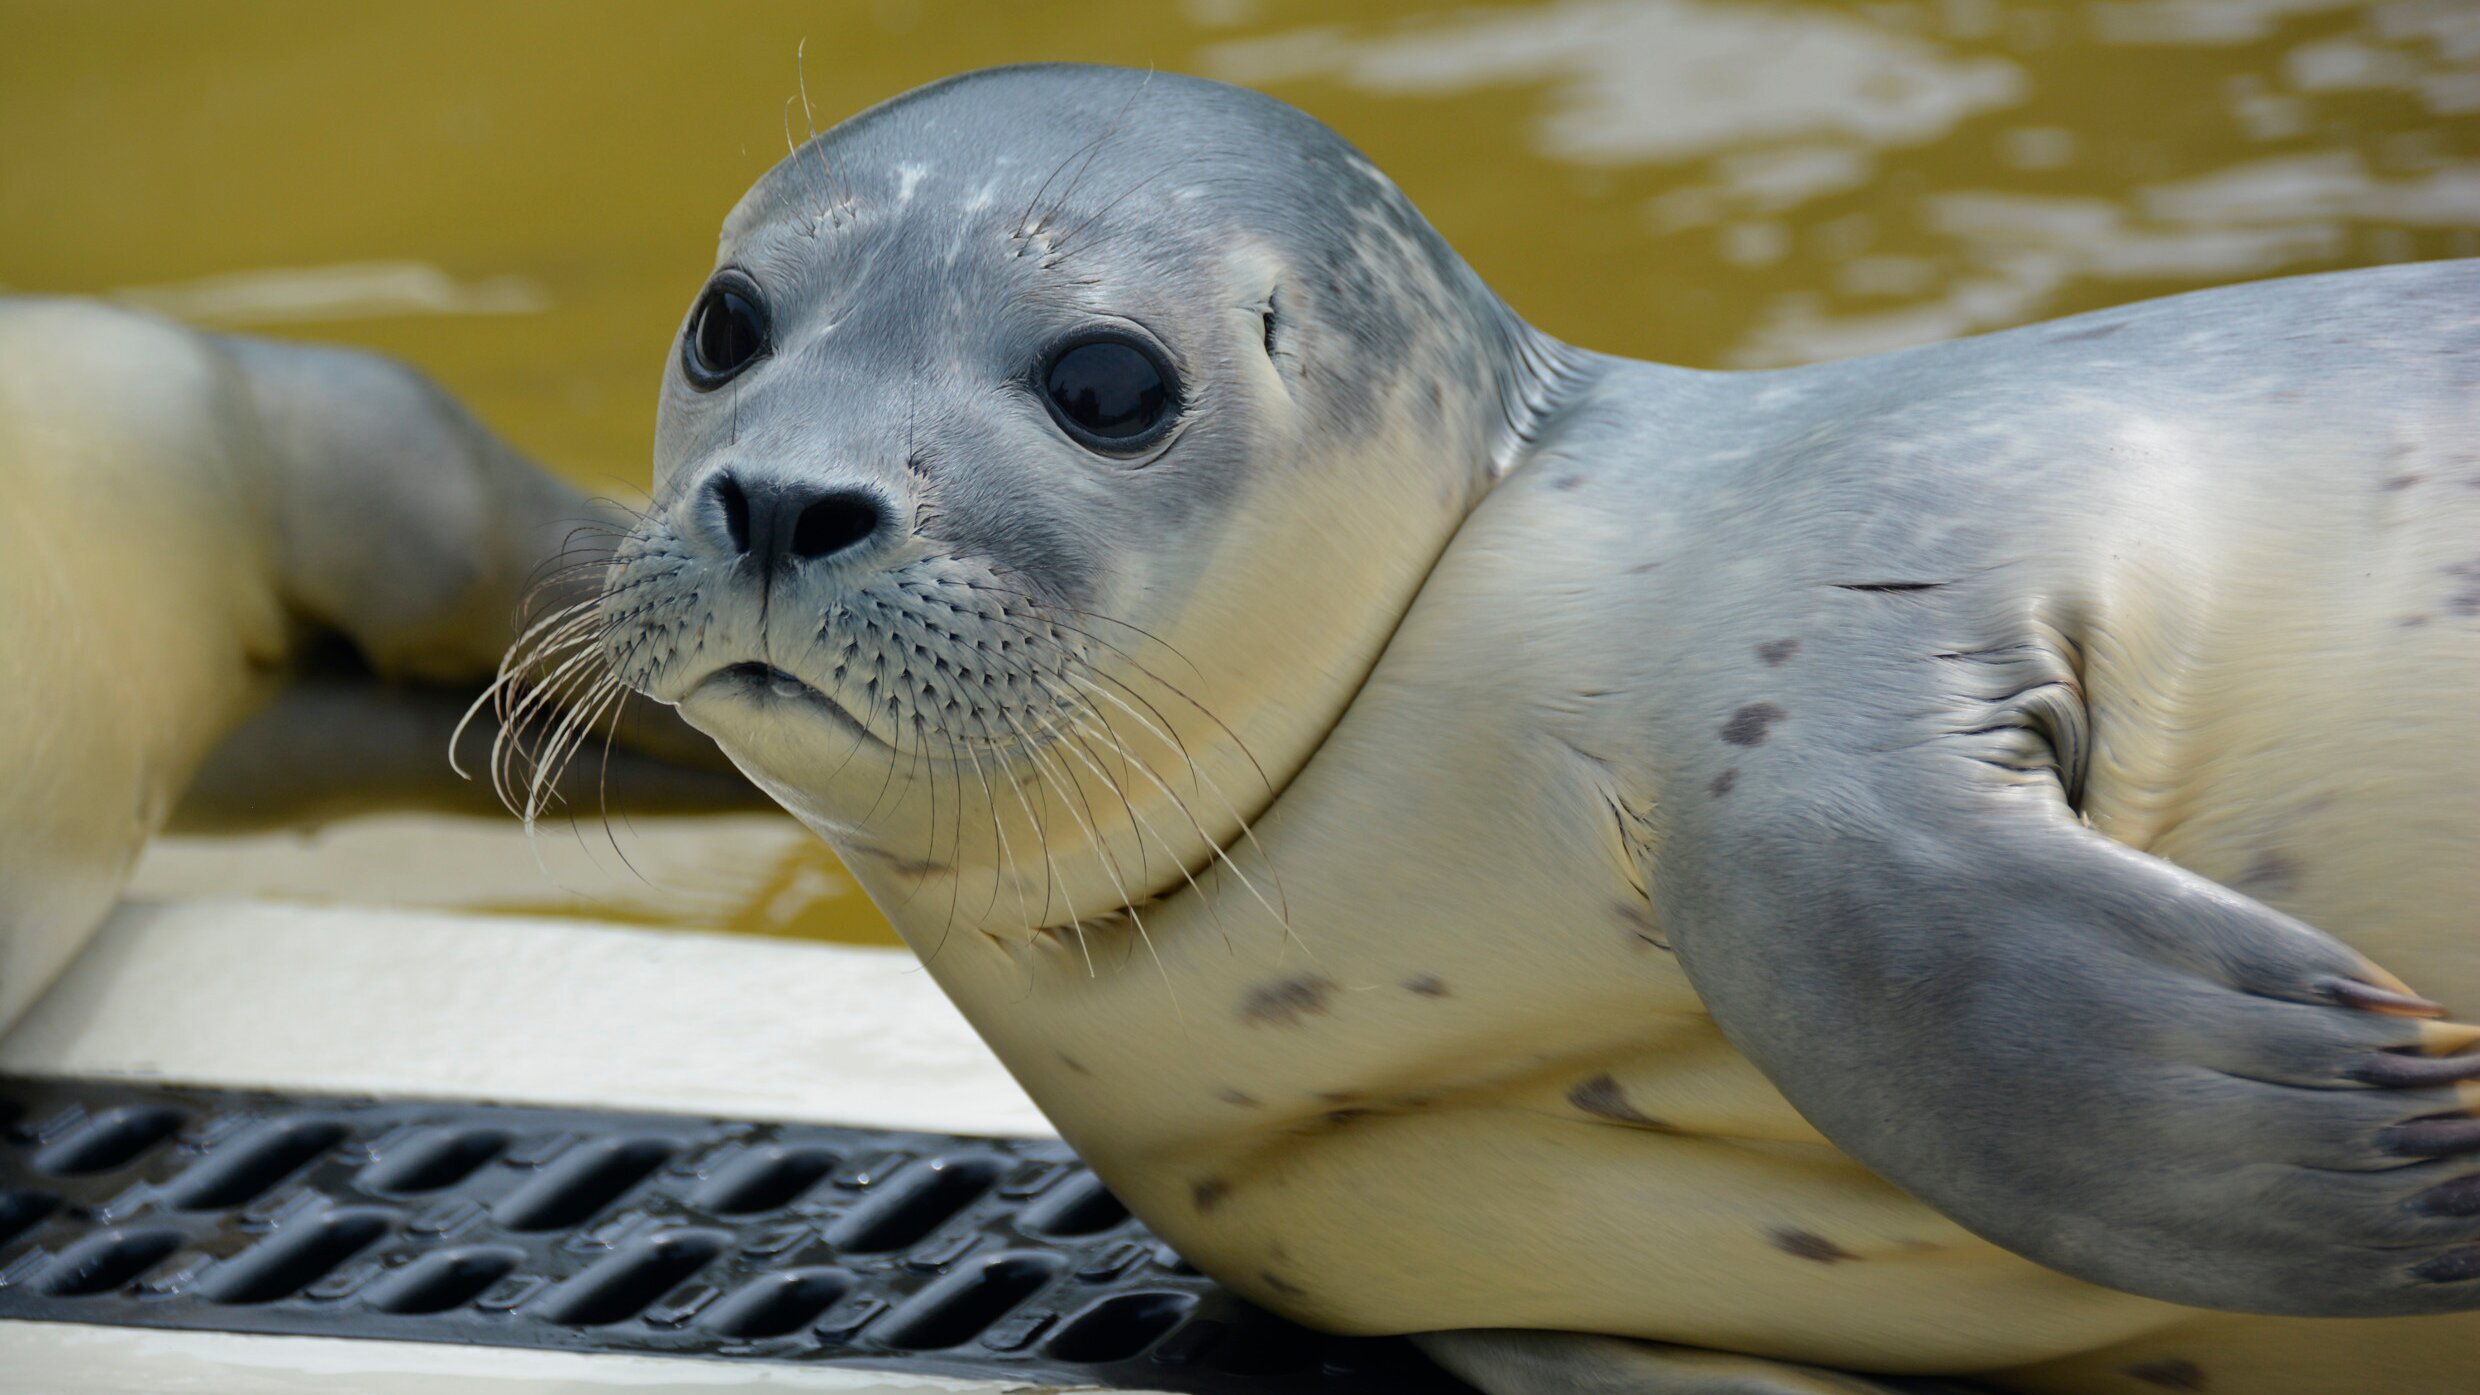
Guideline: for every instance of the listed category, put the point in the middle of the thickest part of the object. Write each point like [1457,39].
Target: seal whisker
[561,745]
[587,713]
[1050,787]
[1174,689]
[1089,823]
[1171,853]
[1027,223]
[1220,850]
[539,640]
[1005,870]
[517,714]
[602,780]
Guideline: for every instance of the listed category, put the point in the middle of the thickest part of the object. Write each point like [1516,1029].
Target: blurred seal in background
[205,535]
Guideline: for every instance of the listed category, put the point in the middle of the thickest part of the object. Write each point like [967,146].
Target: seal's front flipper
[2088,1055]
[1508,1362]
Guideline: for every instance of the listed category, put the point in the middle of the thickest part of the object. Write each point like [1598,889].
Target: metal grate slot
[1082,1207]
[957,1308]
[23,1211]
[104,1262]
[765,1179]
[112,1139]
[779,1303]
[916,1201]
[444,1279]
[575,1187]
[1120,1326]
[626,1284]
[246,1167]
[296,1256]
[433,1160]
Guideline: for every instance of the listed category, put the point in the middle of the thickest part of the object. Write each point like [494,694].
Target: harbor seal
[1898,866]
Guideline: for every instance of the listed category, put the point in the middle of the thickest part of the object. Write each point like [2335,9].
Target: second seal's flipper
[402,522]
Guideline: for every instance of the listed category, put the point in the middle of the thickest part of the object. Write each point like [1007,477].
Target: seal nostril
[735,511]
[834,522]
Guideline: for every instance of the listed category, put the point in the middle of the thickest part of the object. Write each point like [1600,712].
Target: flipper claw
[2368,997]
[2400,1070]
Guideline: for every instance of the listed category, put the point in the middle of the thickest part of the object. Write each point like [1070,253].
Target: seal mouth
[770,688]
[757,675]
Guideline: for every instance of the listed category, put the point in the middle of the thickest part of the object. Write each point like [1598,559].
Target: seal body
[186,514]
[1917,865]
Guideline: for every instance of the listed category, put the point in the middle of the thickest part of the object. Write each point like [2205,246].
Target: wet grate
[586,1231]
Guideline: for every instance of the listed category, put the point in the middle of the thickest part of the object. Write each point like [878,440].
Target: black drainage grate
[586,1231]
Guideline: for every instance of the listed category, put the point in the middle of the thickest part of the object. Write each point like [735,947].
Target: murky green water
[522,197]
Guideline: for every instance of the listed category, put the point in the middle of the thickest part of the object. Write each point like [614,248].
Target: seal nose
[778,524]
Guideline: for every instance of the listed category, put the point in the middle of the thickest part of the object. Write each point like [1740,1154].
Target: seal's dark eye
[1110,394]
[726,331]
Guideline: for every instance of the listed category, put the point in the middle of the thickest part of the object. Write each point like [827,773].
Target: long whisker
[1280,908]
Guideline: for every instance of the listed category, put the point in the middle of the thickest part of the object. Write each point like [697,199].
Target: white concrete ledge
[520,1011]
[42,1358]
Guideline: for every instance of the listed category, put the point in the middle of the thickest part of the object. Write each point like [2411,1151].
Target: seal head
[1043,468]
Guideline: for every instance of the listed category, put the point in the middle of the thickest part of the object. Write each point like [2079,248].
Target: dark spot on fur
[1565,482]
[1602,1098]
[1427,985]
[1641,568]
[1777,652]
[1721,784]
[2272,873]
[2413,622]
[1884,587]
[1638,918]
[2173,1374]
[1241,1098]
[2401,482]
[2466,599]
[1278,1283]
[1747,725]
[1807,1244]
[1072,1063]
[1207,1193]
[1340,1117]
[1286,1001]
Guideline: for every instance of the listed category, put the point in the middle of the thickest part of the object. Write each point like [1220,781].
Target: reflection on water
[522,199]
[1626,82]
[353,291]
